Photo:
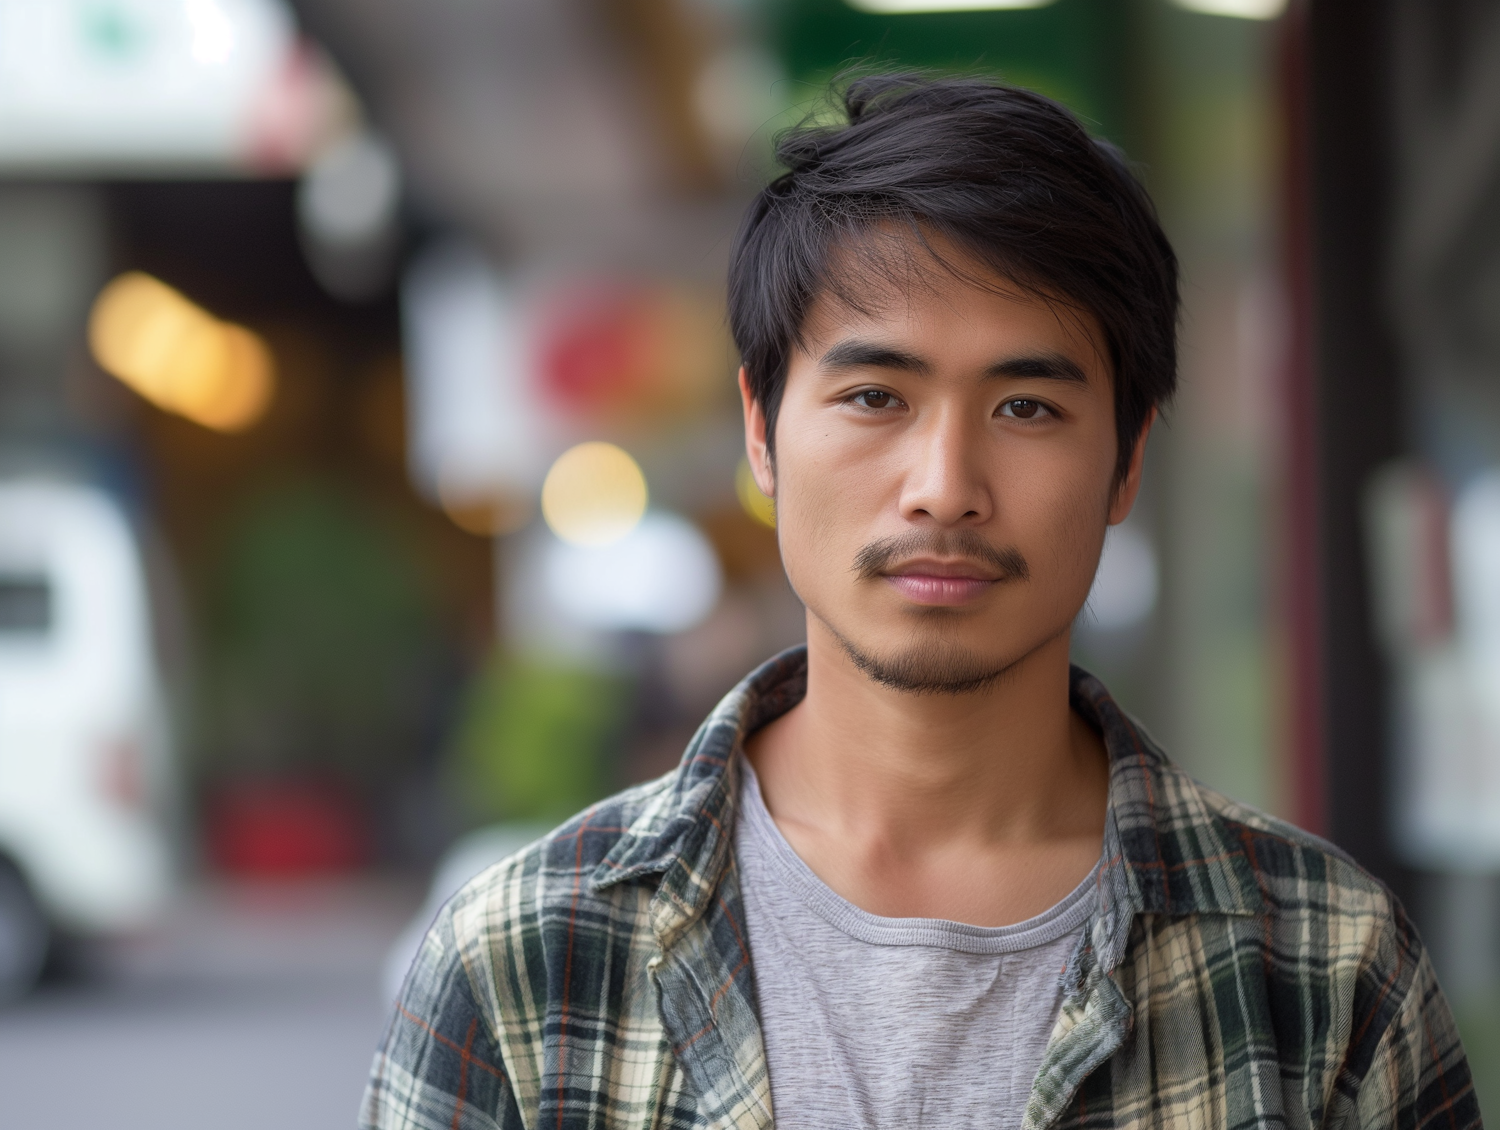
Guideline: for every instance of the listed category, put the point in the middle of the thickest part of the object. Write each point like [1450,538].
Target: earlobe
[1130,483]
[756,449]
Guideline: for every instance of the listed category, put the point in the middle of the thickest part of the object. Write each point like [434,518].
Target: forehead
[893,282]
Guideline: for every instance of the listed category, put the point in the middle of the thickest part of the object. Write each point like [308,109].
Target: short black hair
[1010,178]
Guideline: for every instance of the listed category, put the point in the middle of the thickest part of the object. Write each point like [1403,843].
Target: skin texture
[943,476]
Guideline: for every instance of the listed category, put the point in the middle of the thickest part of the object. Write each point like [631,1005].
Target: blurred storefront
[1421,446]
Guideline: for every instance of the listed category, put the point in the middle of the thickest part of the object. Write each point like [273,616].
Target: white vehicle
[85,777]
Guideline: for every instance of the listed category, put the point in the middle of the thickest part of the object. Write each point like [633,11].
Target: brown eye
[874,398]
[1022,409]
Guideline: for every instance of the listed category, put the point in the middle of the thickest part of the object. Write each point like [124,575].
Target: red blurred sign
[599,347]
[286,827]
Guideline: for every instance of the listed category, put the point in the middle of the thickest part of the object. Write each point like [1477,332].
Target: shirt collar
[1166,851]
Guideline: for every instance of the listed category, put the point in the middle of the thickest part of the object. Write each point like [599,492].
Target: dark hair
[1010,178]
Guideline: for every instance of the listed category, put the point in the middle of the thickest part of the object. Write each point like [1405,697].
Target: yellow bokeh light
[179,356]
[757,505]
[594,495]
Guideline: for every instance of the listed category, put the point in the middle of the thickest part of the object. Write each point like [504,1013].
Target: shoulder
[529,927]
[1338,934]
[467,1032]
[1298,872]
[557,871]
[1196,855]
[1328,927]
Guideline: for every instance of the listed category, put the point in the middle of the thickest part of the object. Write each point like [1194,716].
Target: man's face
[943,476]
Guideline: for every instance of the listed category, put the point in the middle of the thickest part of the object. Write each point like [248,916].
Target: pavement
[253,1005]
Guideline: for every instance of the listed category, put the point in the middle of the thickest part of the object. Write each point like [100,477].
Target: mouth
[941,583]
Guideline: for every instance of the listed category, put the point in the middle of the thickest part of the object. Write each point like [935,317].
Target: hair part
[1009,179]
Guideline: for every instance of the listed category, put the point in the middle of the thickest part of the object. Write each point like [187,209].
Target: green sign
[1073,50]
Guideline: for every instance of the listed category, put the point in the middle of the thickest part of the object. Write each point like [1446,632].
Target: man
[922,873]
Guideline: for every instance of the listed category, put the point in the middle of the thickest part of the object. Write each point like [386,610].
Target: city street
[254,1006]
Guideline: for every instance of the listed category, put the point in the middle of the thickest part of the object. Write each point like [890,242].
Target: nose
[945,480]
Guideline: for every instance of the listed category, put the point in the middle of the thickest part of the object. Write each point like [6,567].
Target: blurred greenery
[1479,1025]
[321,643]
[535,737]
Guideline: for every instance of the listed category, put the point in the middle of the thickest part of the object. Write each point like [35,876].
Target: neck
[1007,763]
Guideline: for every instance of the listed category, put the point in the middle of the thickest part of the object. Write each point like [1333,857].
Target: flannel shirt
[1236,973]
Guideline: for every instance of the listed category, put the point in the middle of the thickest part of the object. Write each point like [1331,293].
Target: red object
[286,827]
[287,115]
[599,349]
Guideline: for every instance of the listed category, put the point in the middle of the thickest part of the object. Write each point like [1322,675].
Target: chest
[868,1037]
[1215,1033]
[1204,1038]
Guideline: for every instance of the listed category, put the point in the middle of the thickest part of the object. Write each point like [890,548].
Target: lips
[940,583]
[922,588]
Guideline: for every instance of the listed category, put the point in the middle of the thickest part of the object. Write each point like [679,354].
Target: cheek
[1059,507]
[826,493]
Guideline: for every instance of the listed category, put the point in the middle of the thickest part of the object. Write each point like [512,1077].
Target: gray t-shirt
[893,1023]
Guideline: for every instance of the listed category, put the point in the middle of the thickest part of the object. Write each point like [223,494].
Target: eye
[875,398]
[1022,409]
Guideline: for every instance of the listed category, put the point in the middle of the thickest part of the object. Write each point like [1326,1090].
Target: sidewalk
[254,1006]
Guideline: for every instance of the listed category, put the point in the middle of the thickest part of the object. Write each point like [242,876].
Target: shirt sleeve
[439,1066]
[1419,1076]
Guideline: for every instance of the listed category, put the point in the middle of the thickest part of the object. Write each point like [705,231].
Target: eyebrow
[855,354]
[1048,366]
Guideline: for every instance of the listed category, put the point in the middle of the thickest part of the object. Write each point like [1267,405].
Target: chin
[931,666]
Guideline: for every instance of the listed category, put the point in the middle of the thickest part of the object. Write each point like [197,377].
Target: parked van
[85,772]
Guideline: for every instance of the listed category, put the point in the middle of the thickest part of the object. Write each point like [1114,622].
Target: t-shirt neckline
[1061,919]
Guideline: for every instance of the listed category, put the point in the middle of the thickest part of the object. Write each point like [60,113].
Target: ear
[756,450]
[1130,483]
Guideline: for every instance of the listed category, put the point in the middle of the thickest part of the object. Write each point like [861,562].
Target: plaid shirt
[1236,973]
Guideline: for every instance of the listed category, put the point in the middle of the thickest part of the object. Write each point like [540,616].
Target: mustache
[875,558]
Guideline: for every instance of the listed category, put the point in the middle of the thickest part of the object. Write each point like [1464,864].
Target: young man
[921,873]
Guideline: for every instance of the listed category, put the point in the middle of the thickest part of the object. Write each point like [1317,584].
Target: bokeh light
[1243,9]
[179,356]
[757,505]
[594,495]
[352,192]
[924,7]
[663,576]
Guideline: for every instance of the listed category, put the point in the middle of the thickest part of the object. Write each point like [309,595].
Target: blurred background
[371,485]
